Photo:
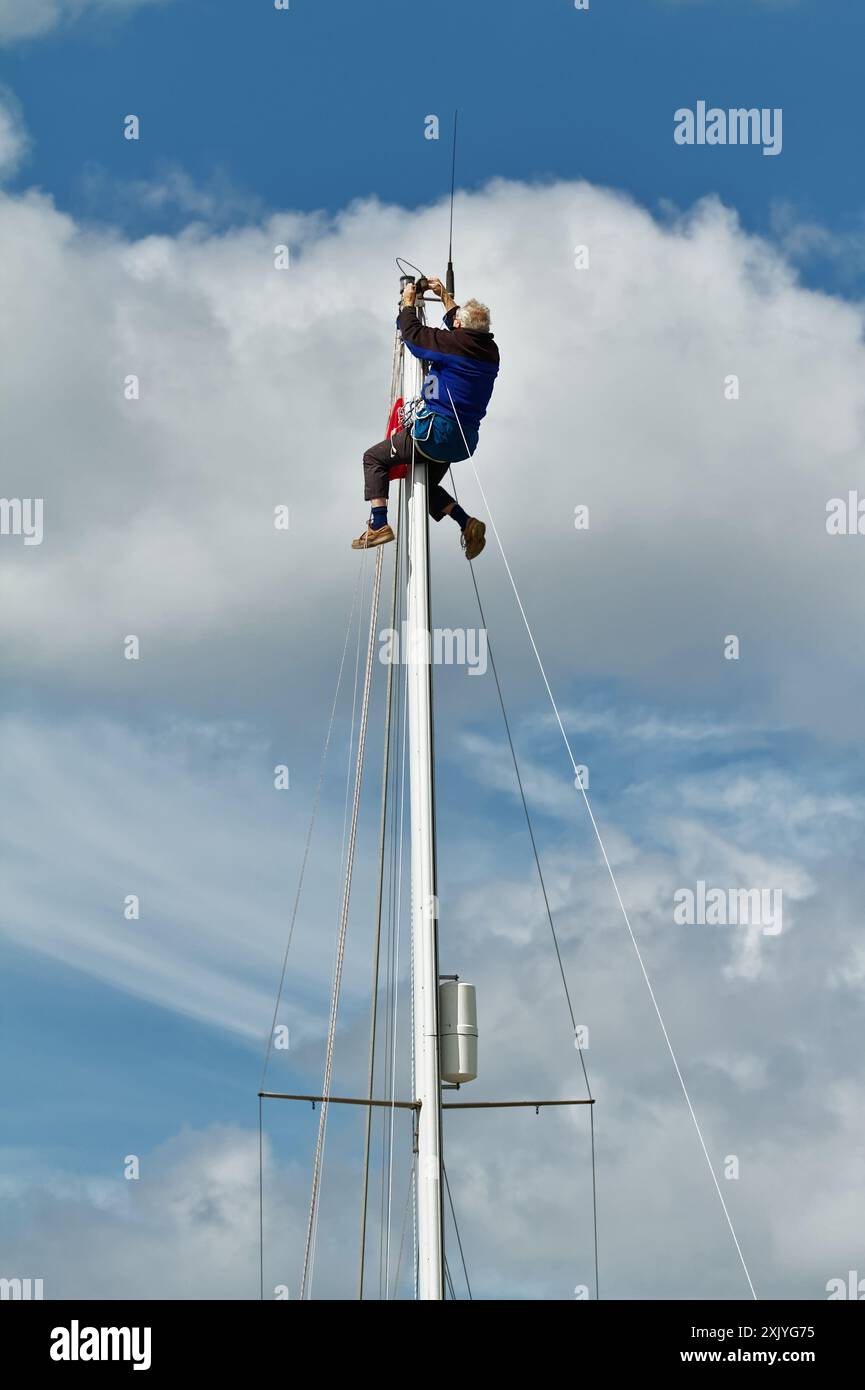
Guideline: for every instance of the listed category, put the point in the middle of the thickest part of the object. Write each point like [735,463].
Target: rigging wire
[295,908]
[342,851]
[413,1060]
[457,1230]
[338,966]
[260,1201]
[397,798]
[312,1231]
[309,1254]
[578,782]
[547,906]
[385,777]
[338,963]
[404,1221]
[395,876]
[310,829]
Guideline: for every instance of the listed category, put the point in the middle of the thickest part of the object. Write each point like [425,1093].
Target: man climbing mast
[462,362]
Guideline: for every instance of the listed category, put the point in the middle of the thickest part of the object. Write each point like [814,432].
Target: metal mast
[424,901]
[459,1019]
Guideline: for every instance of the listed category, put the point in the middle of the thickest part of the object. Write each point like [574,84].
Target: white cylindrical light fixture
[458,1026]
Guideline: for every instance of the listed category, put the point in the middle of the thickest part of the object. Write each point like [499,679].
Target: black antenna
[449,278]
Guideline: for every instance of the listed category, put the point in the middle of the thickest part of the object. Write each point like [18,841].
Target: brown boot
[474,538]
[369,538]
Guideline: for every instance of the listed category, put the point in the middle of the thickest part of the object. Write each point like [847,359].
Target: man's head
[474,316]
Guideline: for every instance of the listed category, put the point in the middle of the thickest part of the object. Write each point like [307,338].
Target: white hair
[474,315]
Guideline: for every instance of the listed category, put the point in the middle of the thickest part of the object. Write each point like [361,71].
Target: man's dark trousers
[381,458]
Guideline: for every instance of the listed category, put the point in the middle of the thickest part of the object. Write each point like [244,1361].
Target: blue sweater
[461,360]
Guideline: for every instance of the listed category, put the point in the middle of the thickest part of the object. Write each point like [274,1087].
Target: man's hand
[408,296]
[441,293]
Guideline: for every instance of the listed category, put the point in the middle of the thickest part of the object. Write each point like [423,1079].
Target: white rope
[306,1279]
[363,568]
[315,1198]
[404,1222]
[414,1227]
[579,782]
[395,1015]
[309,833]
[393,929]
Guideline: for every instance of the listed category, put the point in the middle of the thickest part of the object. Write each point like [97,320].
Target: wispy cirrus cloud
[14,138]
[656,728]
[216,201]
[28,19]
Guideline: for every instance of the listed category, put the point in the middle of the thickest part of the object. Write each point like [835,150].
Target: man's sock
[459,516]
[379,518]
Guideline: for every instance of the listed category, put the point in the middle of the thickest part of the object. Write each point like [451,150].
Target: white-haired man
[462,363]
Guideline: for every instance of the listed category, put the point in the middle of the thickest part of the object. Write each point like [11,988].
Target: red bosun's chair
[395,424]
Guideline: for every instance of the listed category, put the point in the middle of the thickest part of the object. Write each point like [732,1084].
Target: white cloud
[654,728]
[216,201]
[547,788]
[156,816]
[186,1228]
[260,387]
[25,19]
[707,517]
[183,814]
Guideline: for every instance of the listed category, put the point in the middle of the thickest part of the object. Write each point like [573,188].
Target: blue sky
[706,519]
[322,104]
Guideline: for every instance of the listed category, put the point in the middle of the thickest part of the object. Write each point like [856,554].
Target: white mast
[424,902]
